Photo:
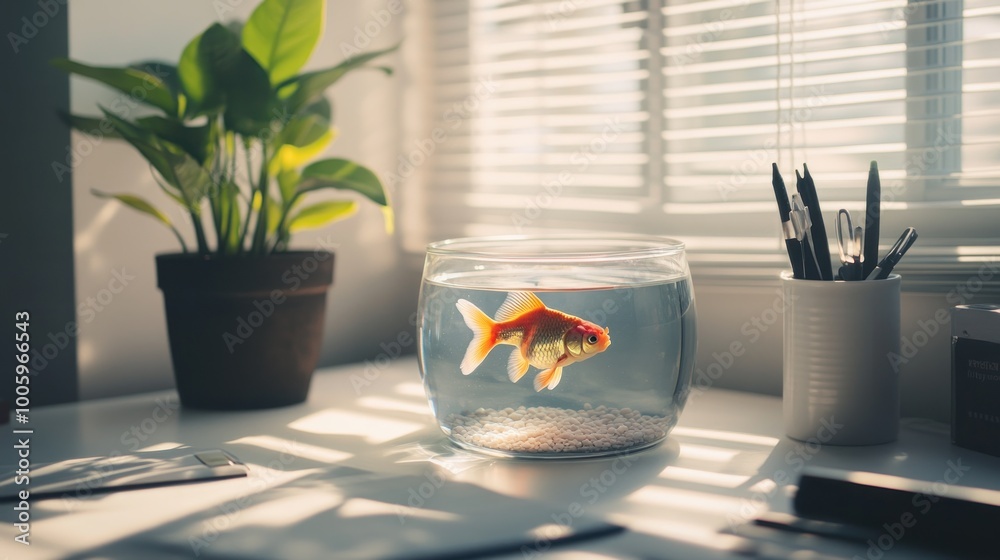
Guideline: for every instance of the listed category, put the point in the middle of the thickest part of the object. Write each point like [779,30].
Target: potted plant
[236,130]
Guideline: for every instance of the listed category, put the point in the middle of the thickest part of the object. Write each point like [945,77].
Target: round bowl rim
[630,246]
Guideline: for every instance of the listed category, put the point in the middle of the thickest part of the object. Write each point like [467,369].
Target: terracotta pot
[245,332]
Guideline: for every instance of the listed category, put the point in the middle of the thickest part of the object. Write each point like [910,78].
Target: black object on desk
[975,377]
[941,515]
[75,478]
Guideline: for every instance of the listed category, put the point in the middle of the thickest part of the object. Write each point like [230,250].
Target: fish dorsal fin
[517,304]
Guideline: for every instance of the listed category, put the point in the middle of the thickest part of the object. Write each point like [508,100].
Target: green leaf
[303,130]
[321,106]
[94,126]
[163,70]
[281,34]
[196,80]
[306,88]
[309,130]
[194,139]
[321,214]
[342,174]
[217,72]
[141,85]
[144,207]
[288,181]
[176,166]
[136,203]
[250,103]
[293,157]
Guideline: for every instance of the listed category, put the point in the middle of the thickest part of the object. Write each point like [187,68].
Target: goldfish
[545,338]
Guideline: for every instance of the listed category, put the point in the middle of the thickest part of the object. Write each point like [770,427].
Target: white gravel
[546,429]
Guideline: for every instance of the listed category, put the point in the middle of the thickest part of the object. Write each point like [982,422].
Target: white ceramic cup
[840,387]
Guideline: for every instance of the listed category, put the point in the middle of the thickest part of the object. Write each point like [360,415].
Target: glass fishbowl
[556,346]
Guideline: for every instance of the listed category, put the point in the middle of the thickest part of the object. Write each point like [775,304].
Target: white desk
[717,468]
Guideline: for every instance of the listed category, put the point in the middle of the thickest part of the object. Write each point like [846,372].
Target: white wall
[123,347]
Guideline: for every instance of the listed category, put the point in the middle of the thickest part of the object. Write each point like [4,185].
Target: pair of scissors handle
[850,246]
[846,245]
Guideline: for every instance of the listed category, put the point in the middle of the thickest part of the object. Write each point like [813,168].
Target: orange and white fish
[545,338]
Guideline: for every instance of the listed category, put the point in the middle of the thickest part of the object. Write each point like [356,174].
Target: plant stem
[177,234]
[216,219]
[216,202]
[260,234]
[199,232]
[284,215]
[253,189]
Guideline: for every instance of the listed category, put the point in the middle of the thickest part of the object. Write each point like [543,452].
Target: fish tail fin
[548,379]
[483,337]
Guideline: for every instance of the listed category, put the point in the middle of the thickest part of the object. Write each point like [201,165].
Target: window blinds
[664,117]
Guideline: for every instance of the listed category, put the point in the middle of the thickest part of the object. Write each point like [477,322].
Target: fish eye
[592,339]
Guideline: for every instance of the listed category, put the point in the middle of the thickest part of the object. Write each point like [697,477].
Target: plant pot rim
[291,272]
[212,257]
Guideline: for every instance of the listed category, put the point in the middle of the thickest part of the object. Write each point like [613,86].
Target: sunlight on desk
[706,453]
[361,507]
[375,429]
[451,459]
[295,507]
[734,437]
[411,389]
[162,446]
[383,403]
[292,447]
[718,458]
[673,499]
[681,474]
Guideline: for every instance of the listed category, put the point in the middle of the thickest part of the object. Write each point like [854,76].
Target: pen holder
[840,387]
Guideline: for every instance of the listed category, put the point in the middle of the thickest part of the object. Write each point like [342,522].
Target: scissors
[850,246]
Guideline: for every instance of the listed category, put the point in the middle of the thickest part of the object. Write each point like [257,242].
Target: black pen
[873,211]
[881,272]
[820,244]
[792,244]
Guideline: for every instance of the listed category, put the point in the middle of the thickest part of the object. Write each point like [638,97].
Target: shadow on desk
[331,515]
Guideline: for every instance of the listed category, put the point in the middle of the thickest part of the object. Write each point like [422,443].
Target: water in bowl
[625,398]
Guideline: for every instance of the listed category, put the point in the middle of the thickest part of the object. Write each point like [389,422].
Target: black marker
[873,215]
[821,246]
